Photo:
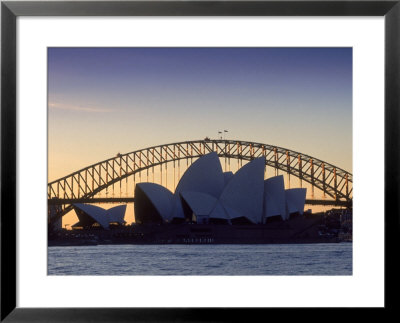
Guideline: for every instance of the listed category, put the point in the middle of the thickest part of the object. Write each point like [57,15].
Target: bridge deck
[56,201]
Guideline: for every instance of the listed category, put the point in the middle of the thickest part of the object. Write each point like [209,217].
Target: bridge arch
[89,181]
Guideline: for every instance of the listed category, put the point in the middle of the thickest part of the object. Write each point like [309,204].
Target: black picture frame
[10,10]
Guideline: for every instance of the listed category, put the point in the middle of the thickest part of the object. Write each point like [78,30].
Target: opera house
[94,216]
[205,194]
[209,206]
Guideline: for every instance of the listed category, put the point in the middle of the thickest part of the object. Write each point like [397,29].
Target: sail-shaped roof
[244,192]
[116,214]
[270,206]
[227,177]
[88,214]
[296,198]
[205,191]
[153,202]
[274,192]
[203,176]
[219,212]
[199,203]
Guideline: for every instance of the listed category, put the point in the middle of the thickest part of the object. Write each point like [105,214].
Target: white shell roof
[210,192]
[204,176]
[244,193]
[96,213]
[296,198]
[219,212]
[227,177]
[200,203]
[271,208]
[232,213]
[177,209]
[274,190]
[160,197]
[116,214]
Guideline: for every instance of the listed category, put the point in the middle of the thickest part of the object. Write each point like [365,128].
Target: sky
[102,101]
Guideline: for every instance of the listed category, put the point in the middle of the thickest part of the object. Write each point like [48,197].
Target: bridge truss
[89,181]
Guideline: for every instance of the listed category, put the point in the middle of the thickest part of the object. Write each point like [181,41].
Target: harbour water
[265,259]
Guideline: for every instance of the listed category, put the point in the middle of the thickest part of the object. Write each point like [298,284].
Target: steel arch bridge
[91,180]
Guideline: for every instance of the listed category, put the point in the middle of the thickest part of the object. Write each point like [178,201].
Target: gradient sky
[102,101]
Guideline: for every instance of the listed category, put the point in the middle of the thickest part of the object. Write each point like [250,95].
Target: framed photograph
[179,155]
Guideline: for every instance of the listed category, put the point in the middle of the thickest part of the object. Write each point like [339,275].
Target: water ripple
[274,259]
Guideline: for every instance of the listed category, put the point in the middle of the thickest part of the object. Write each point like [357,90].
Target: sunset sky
[102,101]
